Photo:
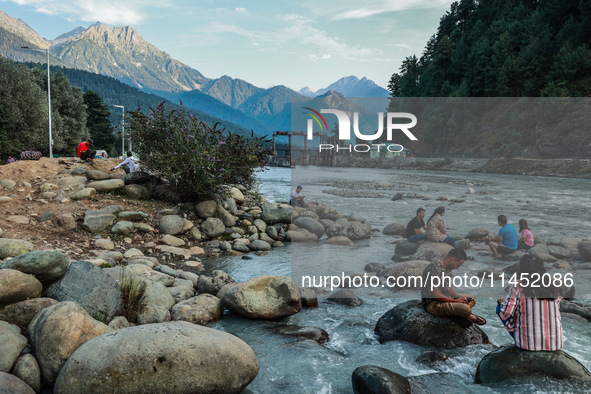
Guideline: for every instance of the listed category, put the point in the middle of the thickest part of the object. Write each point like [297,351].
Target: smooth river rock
[46,266]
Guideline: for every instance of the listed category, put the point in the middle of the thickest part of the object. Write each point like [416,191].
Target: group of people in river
[529,312]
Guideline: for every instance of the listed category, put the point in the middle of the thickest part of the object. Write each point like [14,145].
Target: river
[555,208]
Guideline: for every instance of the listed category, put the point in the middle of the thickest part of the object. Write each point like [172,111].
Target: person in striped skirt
[531,311]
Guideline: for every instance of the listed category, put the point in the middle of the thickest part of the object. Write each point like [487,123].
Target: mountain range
[122,53]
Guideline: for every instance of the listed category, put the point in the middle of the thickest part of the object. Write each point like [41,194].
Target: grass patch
[132,296]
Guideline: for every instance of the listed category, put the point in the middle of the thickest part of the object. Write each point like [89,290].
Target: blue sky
[267,43]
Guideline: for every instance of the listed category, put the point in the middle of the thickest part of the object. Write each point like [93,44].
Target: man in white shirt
[129,165]
[297,199]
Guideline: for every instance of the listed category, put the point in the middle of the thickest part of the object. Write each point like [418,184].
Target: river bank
[568,168]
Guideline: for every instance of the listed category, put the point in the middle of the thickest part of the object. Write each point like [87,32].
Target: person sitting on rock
[130,164]
[413,228]
[506,241]
[531,311]
[10,160]
[436,231]
[439,297]
[84,151]
[526,238]
[296,198]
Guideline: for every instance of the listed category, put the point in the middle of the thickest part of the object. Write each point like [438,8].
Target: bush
[195,158]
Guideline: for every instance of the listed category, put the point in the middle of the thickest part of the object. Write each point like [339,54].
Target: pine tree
[98,123]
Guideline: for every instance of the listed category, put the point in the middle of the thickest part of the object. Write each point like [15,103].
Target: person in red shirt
[84,150]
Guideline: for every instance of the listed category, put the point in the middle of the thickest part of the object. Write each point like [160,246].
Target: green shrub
[195,158]
[132,296]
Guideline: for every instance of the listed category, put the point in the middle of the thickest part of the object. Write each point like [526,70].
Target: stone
[67,221]
[511,362]
[90,287]
[174,251]
[97,221]
[132,216]
[260,225]
[27,369]
[585,250]
[113,208]
[371,379]
[118,323]
[339,240]
[213,227]
[123,227]
[133,252]
[314,333]
[409,270]
[463,244]
[431,358]
[212,284]
[404,248]
[11,384]
[96,175]
[264,297]
[226,217]
[559,252]
[71,181]
[187,226]
[576,308]
[570,243]
[195,234]
[237,195]
[344,297]
[12,344]
[137,192]
[152,276]
[230,205]
[273,215]
[48,187]
[539,248]
[395,229]
[4,199]
[167,270]
[13,249]
[107,185]
[141,178]
[397,196]
[143,227]
[441,247]
[47,216]
[410,322]
[300,235]
[104,244]
[259,245]
[206,209]
[46,266]
[21,313]
[18,219]
[203,309]
[353,230]
[181,293]
[7,183]
[172,240]
[84,194]
[169,357]
[310,224]
[272,232]
[171,224]
[477,234]
[57,331]
[78,171]
[16,286]
[240,247]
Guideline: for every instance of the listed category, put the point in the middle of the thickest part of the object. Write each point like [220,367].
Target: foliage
[98,123]
[195,158]
[101,315]
[132,296]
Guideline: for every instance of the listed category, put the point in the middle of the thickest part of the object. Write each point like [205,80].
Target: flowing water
[555,208]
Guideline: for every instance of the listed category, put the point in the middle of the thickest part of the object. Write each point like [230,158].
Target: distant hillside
[20,28]
[517,48]
[350,86]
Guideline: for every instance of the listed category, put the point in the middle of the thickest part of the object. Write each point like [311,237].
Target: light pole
[48,98]
[123,130]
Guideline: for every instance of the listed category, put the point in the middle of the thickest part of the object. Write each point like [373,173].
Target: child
[526,238]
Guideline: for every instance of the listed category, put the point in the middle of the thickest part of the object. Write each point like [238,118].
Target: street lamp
[48,98]
[123,130]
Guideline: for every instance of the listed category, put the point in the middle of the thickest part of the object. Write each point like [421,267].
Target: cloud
[351,9]
[107,11]
[241,10]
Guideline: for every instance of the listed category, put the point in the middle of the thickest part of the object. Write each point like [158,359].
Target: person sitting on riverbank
[526,238]
[297,199]
[413,228]
[436,231]
[531,311]
[443,300]
[84,151]
[130,164]
[507,239]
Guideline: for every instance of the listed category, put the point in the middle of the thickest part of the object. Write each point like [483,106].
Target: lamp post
[48,98]
[123,130]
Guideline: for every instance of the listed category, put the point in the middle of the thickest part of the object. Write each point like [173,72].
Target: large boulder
[138,192]
[370,379]
[97,221]
[206,209]
[71,181]
[11,384]
[171,224]
[410,322]
[300,235]
[12,344]
[272,215]
[96,175]
[90,287]
[585,250]
[441,247]
[213,227]
[395,229]
[405,248]
[106,186]
[57,331]
[177,357]
[14,247]
[212,284]
[226,217]
[559,252]
[16,286]
[264,297]
[511,362]
[351,229]
[312,225]
[403,273]
[23,312]
[477,234]
[201,310]
[47,266]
